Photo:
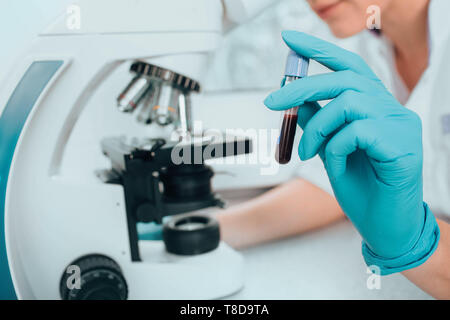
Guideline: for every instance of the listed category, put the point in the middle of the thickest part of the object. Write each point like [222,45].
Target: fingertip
[306,112]
[301,151]
[334,171]
[305,152]
[275,101]
[293,38]
[269,102]
[333,177]
[288,35]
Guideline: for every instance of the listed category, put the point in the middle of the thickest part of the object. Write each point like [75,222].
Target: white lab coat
[430,100]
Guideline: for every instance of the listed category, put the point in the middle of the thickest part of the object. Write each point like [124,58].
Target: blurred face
[345,17]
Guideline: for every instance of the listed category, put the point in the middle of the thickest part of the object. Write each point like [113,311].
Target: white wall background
[252,55]
[20,22]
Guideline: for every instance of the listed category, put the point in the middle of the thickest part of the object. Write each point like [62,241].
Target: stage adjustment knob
[99,278]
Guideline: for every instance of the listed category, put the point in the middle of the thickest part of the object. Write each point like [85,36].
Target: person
[375,148]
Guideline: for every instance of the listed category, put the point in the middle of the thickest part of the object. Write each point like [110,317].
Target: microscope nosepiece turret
[162,95]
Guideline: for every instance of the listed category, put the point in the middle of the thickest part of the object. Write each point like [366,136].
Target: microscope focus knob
[100,278]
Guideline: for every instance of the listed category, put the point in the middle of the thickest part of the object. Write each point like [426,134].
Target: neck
[405,23]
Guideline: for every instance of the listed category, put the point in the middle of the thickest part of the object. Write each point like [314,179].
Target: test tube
[296,68]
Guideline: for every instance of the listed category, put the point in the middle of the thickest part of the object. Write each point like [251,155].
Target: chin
[344,30]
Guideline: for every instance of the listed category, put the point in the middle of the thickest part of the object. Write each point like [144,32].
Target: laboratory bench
[324,264]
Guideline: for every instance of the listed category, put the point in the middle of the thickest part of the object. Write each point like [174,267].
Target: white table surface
[325,264]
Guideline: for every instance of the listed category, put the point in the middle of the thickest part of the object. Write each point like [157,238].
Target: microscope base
[162,275]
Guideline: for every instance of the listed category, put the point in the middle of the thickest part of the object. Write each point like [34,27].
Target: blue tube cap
[296,65]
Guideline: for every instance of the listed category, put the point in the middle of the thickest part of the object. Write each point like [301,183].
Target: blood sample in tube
[296,68]
[286,140]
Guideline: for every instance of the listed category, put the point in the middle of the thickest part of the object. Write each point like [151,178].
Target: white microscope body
[56,209]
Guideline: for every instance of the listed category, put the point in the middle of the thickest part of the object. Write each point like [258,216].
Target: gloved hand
[371,147]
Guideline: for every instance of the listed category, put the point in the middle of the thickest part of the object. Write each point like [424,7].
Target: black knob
[191,234]
[100,278]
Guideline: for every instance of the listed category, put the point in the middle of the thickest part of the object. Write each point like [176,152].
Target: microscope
[78,174]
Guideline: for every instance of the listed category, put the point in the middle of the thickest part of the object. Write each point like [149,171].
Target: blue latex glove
[371,147]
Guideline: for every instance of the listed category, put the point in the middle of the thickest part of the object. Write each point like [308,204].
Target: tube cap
[296,65]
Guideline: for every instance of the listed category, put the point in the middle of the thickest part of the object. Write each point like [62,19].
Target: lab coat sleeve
[314,172]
